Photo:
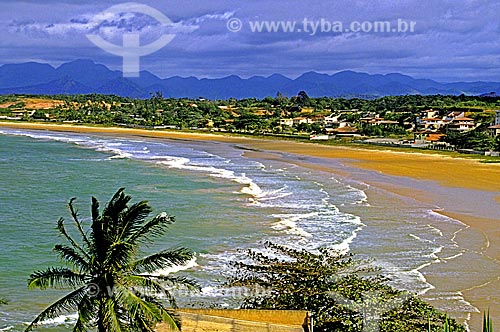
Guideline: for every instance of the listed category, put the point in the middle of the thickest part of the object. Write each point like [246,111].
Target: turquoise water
[224,203]
[38,178]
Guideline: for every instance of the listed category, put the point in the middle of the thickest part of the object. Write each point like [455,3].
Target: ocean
[224,204]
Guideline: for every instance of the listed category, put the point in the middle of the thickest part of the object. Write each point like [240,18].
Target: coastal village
[465,129]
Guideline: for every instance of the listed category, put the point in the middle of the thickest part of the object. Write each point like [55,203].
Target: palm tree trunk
[100,327]
[100,318]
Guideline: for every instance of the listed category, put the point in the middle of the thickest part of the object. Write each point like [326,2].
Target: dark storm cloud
[453,40]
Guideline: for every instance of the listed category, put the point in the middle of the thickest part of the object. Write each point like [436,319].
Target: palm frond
[139,306]
[144,282]
[62,229]
[158,285]
[78,224]
[170,281]
[111,315]
[86,314]
[153,228]
[73,257]
[142,325]
[65,304]
[170,318]
[56,278]
[100,242]
[133,218]
[118,255]
[116,205]
[163,259]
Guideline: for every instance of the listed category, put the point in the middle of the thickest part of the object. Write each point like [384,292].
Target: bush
[343,294]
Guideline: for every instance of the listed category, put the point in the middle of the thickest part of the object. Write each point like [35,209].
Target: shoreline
[430,171]
[429,167]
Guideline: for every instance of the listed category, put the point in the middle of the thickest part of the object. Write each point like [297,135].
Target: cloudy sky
[452,40]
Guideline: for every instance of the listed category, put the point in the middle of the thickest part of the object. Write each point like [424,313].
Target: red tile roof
[463,119]
[346,130]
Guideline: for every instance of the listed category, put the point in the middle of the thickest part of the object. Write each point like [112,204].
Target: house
[497,117]
[377,121]
[461,124]
[433,137]
[494,130]
[454,115]
[346,131]
[429,113]
[432,124]
[332,119]
[286,122]
[21,113]
[320,119]
[428,136]
[299,120]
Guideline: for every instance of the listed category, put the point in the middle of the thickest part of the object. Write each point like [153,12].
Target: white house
[433,124]
[462,124]
[300,120]
[455,115]
[429,113]
[332,119]
[497,117]
[286,122]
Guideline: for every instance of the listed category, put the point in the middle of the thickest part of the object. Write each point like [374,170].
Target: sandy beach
[462,189]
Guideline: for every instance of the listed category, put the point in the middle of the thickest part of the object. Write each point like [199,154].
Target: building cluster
[495,129]
[429,126]
[433,127]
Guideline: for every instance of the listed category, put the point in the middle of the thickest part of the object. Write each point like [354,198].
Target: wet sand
[442,181]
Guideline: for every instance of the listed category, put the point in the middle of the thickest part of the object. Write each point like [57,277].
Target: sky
[456,40]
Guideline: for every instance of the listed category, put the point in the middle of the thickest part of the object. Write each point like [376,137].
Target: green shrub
[343,294]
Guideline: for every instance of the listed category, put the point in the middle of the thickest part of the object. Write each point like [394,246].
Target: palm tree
[113,289]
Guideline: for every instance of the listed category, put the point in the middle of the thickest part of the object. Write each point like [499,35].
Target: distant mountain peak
[79,62]
[86,76]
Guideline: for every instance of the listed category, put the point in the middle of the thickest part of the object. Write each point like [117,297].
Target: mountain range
[85,76]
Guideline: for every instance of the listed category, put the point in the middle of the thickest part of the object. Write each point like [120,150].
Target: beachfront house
[299,120]
[455,115]
[497,117]
[429,114]
[332,119]
[462,124]
[319,119]
[345,131]
[432,124]
[377,121]
[286,122]
[495,130]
